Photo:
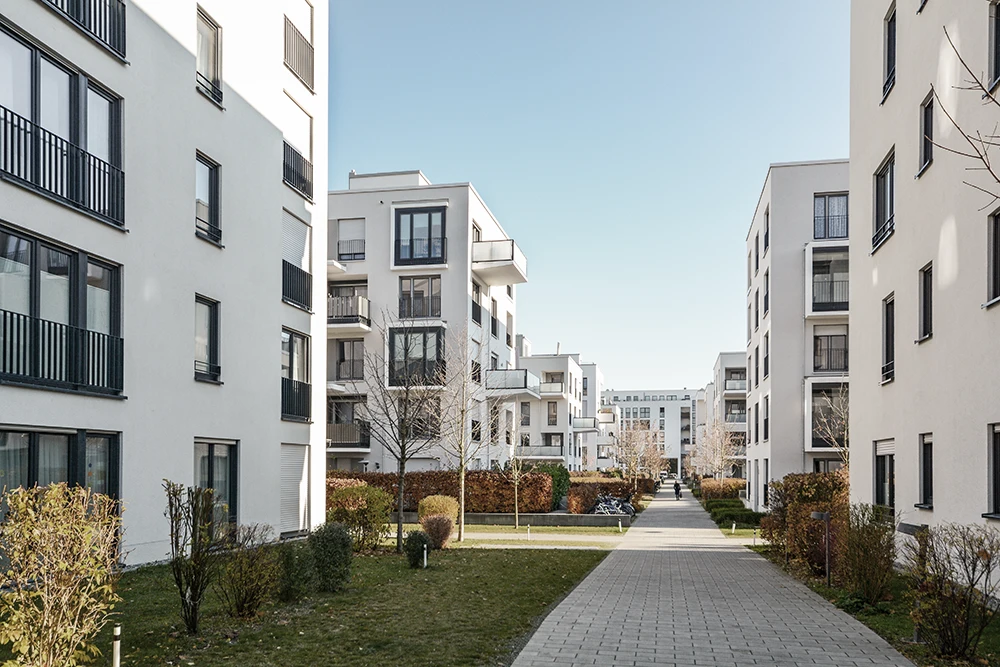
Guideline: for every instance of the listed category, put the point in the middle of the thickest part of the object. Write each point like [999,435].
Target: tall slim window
[525,413]
[927,133]
[296,391]
[756,309]
[767,229]
[767,415]
[756,253]
[350,359]
[993,268]
[216,467]
[477,308]
[494,322]
[207,219]
[420,236]
[756,366]
[884,204]
[890,52]
[767,291]
[995,42]
[553,413]
[927,469]
[756,423]
[749,420]
[995,469]
[888,338]
[477,431]
[206,340]
[767,354]
[926,301]
[209,57]
[830,216]
[420,297]
[885,480]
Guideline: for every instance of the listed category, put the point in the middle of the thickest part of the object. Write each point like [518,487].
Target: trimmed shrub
[249,573]
[560,480]
[332,553]
[725,516]
[364,511]
[413,547]
[298,571]
[869,553]
[731,503]
[616,488]
[792,502]
[438,528]
[581,498]
[338,483]
[438,505]
[722,488]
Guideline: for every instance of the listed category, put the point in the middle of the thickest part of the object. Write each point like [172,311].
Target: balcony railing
[736,385]
[39,352]
[512,378]
[736,418]
[477,313]
[204,370]
[584,423]
[299,56]
[354,436]
[883,231]
[417,372]
[499,251]
[830,294]
[211,87]
[830,226]
[888,371]
[350,250]
[102,19]
[348,310]
[552,387]
[296,400]
[298,171]
[419,307]
[551,451]
[421,251]
[41,160]
[830,360]
[351,369]
[296,286]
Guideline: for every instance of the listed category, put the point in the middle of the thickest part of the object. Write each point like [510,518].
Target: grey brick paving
[678,593]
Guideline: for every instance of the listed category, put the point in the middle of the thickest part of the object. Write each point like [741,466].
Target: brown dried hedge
[581,498]
[485,490]
[618,488]
[438,528]
[337,483]
[721,488]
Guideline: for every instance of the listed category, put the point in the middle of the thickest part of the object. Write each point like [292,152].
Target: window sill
[924,168]
[882,241]
[208,239]
[412,267]
[208,380]
[924,506]
[887,381]
[991,515]
[992,302]
[923,338]
[887,88]
[208,96]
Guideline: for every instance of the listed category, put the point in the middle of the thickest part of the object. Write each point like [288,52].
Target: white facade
[401,249]
[924,408]
[669,413]
[797,316]
[100,262]
[725,400]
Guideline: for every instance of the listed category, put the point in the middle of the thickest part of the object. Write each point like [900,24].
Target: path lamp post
[825,518]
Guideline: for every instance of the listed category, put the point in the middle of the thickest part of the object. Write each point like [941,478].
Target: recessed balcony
[355,436]
[539,452]
[511,383]
[581,424]
[499,262]
[347,316]
[736,386]
[605,418]
[552,388]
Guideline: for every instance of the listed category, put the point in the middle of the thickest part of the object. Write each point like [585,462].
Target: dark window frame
[993,258]
[885,195]
[210,88]
[431,366]
[889,338]
[995,45]
[994,461]
[432,259]
[926,323]
[889,53]
[926,471]
[210,370]
[885,480]
[76,455]
[234,470]
[352,368]
[926,133]
[211,229]
[552,413]
[827,225]
[430,304]
[825,353]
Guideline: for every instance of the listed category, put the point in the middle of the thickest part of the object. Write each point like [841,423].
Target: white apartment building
[670,413]
[797,316]
[156,221]
[411,258]
[725,400]
[925,421]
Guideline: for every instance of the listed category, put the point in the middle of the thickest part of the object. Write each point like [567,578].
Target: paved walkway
[676,592]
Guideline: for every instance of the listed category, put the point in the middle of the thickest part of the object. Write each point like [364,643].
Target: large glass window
[420,296]
[206,340]
[420,236]
[28,458]
[215,467]
[830,216]
[830,353]
[553,413]
[417,356]
[831,279]
[294,356]
[350,359]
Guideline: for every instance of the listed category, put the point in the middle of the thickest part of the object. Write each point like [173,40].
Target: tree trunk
[516,524]
[399,507]
[461,500]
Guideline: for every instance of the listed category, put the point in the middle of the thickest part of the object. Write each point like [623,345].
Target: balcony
[605,462]
[350,369]
[499,262]
[539,452]
[606,417]
[512,383]
[296,399]
[299,56]
[341,437]
[552,388]
[347,316]
[104,20]
[585,424]
[829,295]
[296,286]
[350,250]
[298,172]
[41,353]
[736,385]
[45,162]
[419,307]
[736,418]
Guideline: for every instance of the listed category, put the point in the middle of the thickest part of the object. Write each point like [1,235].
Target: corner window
[884,204]
[926,301]
[417,356]
[420,297]
[831,279]
[216,468]
[890,53]
[209,57]
[206,340]
[830,216]
[207,221]
[420,236]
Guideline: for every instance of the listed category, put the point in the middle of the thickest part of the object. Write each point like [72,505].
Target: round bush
[438,528]
[298,571]
[438,505]
[413,547]
[331,549]
[364,511]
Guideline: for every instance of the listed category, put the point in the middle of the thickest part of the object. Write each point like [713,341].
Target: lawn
[466,608]
[610,531]
[741,533]
[471,542]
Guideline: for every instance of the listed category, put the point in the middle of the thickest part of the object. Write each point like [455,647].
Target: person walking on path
[677,490]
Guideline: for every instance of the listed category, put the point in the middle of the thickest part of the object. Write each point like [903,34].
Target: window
[350,359]
[827,465]
[525,413]
[830,216]
[828,408]
[295,388]
[424,416]
[767,415]
[494,322]
[477,431]
[552,440]
[767,291]
[926,302]
[350,240]
[756,309]
[584,386]
[420,297]
[927,133]
[749,315]
[417,356]
[890,53]
[477,308]
[749,419]
[296,262]
[888,339]
[995,470]
[767,354]
[62,132]
[206,340]
[993,269]
[926,470]
[299,52]
[644,413]
[663,411]
[831,279]
[885,480]
[477,234]
[767,229]
[756,366]
[553,413]
[60,317]
[756,423]
[297,129]
[207,221]
[420,236]
[209,57]
[830,353]
[510,331]
[884,205]
[510,292]
[293,515]
[216,467]
[756,253]
[477,368]
[995,43]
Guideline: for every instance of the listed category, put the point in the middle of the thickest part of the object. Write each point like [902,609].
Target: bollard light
[425,556]
[825,518]
[116,646]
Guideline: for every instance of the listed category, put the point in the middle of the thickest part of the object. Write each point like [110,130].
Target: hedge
[729,503]
[725,516]
[790,526]
[485,490]
[560,480]
[618,488]
[722,488]
[581,498]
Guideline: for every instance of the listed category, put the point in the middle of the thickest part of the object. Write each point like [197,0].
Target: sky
[622,144]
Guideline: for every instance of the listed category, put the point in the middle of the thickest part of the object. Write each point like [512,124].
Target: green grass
[477,542]
[549,530]
[467,608]
[740,532]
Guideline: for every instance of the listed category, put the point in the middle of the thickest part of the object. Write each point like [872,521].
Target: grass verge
[468,607]
[610,531]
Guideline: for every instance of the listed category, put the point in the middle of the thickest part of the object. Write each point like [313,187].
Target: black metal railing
[354,435]
[351,369]
[417,372]
[206,227]
[418,307]
[348,310]
[103,19]
[204,370]
[45,353]
[298,172]
[421,251]
[211,87]
[888,371]
[296,285]
[830,226]
[299,56]
[830,294]
[37,158]
[477,313]
[830,358]
[350,250]
[295,399]
[883,231]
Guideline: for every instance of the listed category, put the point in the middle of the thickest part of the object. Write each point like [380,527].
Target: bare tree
[831,420]
[405,379]
[717,449]
[635,446]
[515,469]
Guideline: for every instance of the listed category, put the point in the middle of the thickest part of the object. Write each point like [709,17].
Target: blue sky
[623,145]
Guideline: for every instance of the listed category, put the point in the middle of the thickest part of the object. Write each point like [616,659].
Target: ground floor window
[885,479]
[216,467]
[85,458]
